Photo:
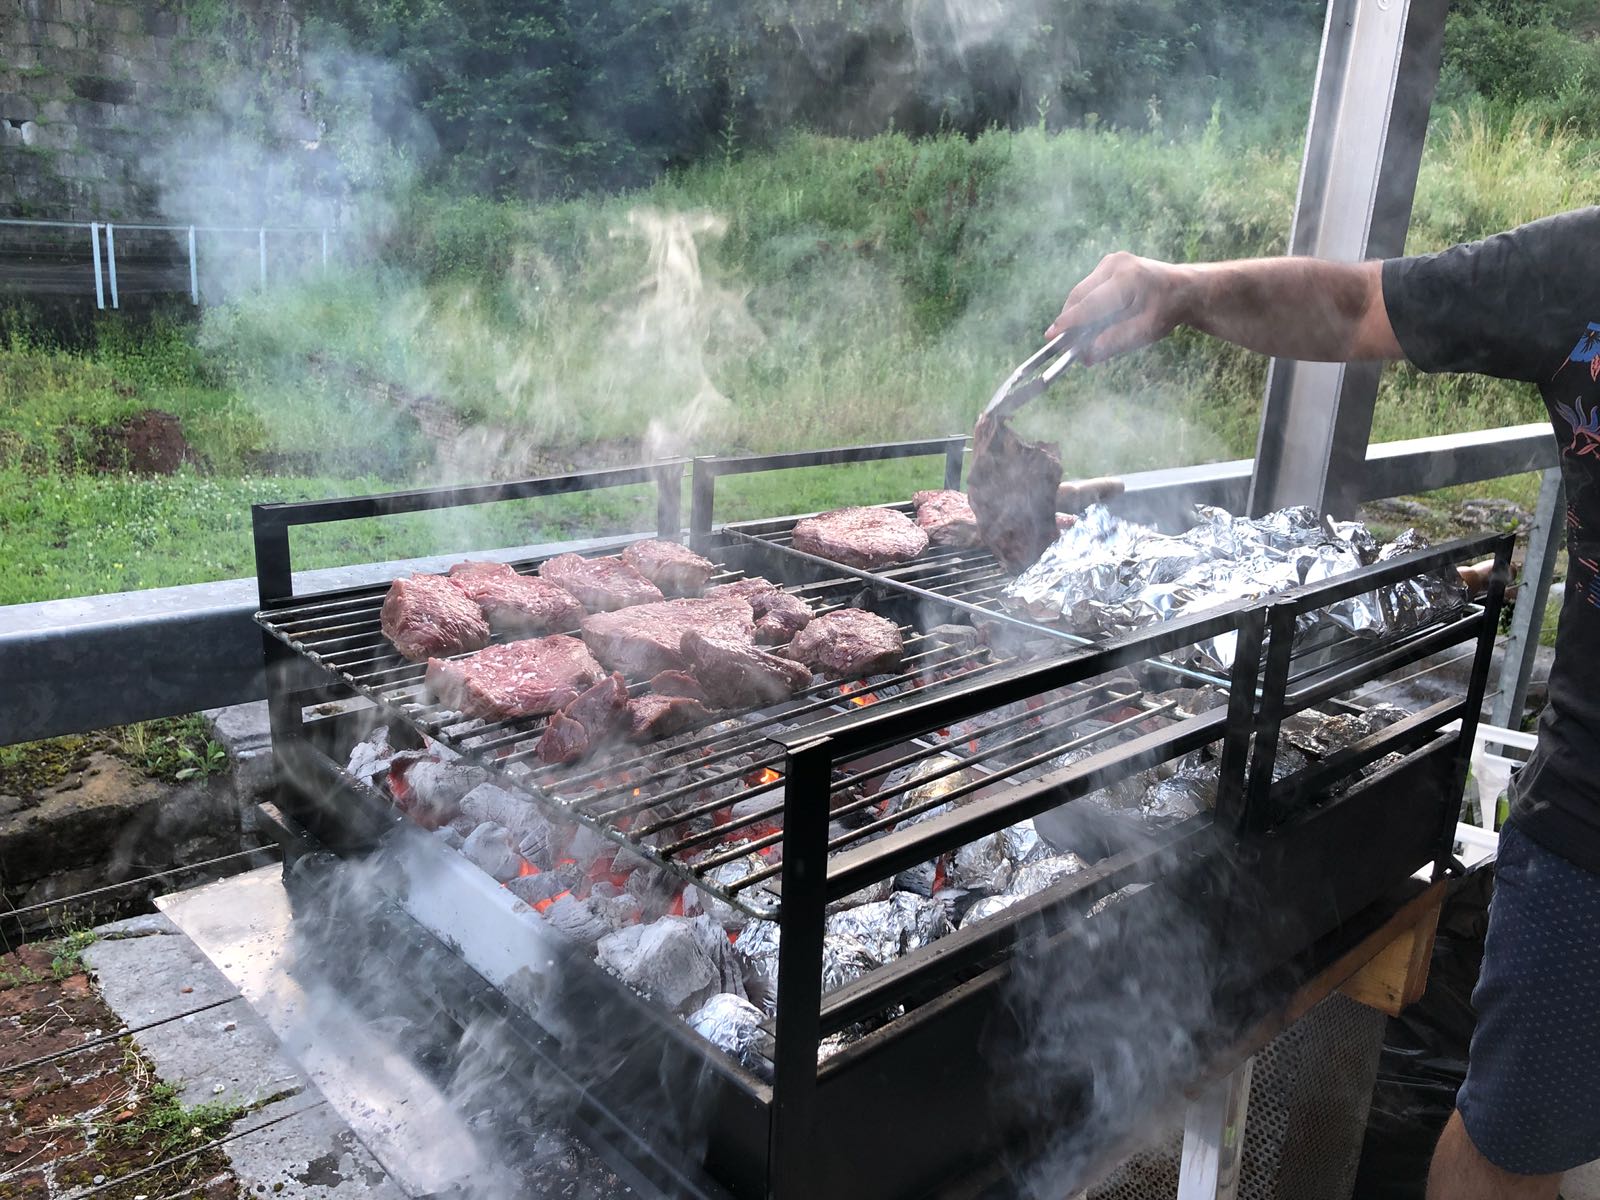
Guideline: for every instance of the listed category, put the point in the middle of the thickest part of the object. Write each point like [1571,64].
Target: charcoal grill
[1284,866]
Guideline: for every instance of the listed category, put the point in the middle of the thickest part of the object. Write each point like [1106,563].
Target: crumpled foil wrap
[1105,576]
[890,928]
[733,1024]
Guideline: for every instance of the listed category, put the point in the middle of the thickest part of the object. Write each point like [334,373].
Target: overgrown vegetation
[173,749]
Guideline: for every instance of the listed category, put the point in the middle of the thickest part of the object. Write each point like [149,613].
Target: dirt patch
[150,442]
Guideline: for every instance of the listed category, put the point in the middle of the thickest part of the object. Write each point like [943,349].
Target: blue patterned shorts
[1531,1102]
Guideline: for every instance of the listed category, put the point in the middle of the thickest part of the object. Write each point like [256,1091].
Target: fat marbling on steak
[516,604]
[735,674]
[947,516]
[519,679]
[779,614]
[676,570]
[600,584]
[866,538]
[848,643]
[427,615]
[644,640]
[1012,486]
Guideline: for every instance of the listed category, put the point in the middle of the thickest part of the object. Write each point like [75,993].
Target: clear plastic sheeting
[1105,576]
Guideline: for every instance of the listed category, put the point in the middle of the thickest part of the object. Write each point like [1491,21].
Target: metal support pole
[1376,78]
[111,261]
[954,460]
[324,249]
[99,282]
[261,246]
[1527,618]
[1213,1138]
[194,271]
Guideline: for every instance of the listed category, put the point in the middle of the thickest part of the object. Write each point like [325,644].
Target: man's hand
[1302,308]
[1137,300]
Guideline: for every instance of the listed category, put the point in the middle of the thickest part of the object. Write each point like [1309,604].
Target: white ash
[489,848]
[450,836]
[733,1024]
[371,754]
[546,885]
[586,847]
[528,828]
[434,789]
[679,961]
[587,921]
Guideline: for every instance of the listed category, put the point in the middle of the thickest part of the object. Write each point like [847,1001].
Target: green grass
[173,749]
[164,1122]
[827,292]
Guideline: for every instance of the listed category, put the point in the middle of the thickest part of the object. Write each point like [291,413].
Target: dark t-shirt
[1526,305]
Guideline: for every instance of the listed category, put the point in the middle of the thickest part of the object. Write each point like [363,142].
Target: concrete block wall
[95,93]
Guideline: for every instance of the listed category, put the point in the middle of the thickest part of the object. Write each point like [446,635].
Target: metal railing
[93,661]
[102,249]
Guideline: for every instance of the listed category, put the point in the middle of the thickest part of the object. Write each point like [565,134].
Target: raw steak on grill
[779,614]
[516,604]
[644,640]
[848,643]
[518,679]
[735,674]
[600,584]
[1012,486]
[947,516]
[653,717]
[676,570]
[678,683]
[586,722]
[427,615]
[861,537]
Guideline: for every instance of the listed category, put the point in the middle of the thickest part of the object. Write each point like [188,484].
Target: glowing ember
[542,905]
[527,868]
[765,775]
[863,700]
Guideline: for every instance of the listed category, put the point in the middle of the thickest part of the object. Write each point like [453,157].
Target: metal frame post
[1527,618]
[99,282]
[1213,1137]
[194,271]
[261,245]
[324,249]
[111,262]
[1375,82]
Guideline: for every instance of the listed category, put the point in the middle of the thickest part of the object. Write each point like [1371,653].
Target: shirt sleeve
[1494,307]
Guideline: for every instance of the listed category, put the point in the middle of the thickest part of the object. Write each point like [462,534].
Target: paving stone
[312,1154]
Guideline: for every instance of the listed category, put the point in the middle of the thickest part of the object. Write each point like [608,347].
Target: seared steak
[867,538]
[586,722]
[518,679]
[676,570]
[600,584]
[1012,486]
[644,640]
[678,683]
[516,604]
[779,614]
[947,516]
[563,741]
[652,717]
[426,616]
[848,644]
[735,674]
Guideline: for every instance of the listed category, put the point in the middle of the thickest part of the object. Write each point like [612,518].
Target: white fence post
[99,283]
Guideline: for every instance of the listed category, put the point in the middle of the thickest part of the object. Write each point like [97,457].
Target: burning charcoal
[952,641]
[733,1024]
[430,792]
[489,848]
[678,961]
[1037,876]
[980,735]
[988,907]
[526,824]
[587,921]
[981,865]
[654,888]
[543,887]
[449,836]
[920,880]
[891,928]
[371,754]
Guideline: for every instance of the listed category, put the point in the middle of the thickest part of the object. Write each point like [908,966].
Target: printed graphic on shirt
[1585,427]
[1586,351]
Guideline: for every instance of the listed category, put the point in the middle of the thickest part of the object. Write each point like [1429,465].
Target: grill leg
[1213,1138]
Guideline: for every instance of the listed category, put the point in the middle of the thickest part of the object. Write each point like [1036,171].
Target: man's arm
[1303,308]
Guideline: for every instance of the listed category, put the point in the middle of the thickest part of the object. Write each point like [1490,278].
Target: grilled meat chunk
[519,679]
[514,604]
[678,683]
[1012,486]
[676,570]
[427,615]
[645,640]
[779,614]
[563,741]
[848,643]
[735,674]
[867,538]
[600,584]
[947,516]
[589,720]
[654,717]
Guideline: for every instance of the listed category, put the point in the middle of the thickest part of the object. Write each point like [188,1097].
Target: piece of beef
[585,723]
[867,538]
[676,570]
[654,717]
[426,616]
[519,679]
[600,584]
[848,643]
[947,516]
[1012,486]
[779,614]
[515,604]
[735,674]
[644,640]
[678,683]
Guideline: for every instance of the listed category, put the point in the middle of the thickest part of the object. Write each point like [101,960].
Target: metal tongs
[1029,380]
